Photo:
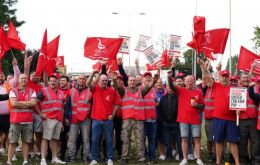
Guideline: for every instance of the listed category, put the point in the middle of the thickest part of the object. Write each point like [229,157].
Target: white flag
[143,43]
[125,46]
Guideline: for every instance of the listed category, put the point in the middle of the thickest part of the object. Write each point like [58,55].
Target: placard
[238,98]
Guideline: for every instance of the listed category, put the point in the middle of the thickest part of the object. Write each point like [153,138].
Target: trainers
[57,161]
[184,162]
[25,162]
[162,157]
[174,152]
[14,158]
[43,162]
[18,149]
[199,162]
[110,162]
[8,163]
[141,159]
[2,151]
[177,157]
[190,157]
[93,162]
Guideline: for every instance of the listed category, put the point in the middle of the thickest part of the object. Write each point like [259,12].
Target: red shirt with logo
[104,101]
[221,102]
[187,113]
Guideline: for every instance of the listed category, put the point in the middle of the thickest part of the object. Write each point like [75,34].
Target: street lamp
[129,15]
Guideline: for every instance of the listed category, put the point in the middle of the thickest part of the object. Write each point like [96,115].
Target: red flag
[216,40]
[4,47]
[112,65]
[13,39]
[245,60]
[150,67]
[43,59]
[165,59]
[97,48]
[52,53]
[97,66]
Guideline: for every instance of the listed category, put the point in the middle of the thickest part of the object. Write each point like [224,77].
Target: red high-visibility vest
[52,104]
[18,115]
[150,105]
[209,104]
[119,108]
[251,110]
[133,105]
[80,104]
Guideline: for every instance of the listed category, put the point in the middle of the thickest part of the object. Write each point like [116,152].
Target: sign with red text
[238,98]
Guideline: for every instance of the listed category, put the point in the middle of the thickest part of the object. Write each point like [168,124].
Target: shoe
[8,163]
[162,157]
[2,151]
[57,161]
[177,157]
[43,162]
[199,162]
[18,149]
[190,157]
[93,162]
[184,162]
[14,158]
[110,162]
[141,160]
[174,152]
[25,163]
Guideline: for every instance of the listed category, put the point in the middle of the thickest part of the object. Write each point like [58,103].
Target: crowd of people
[102,114]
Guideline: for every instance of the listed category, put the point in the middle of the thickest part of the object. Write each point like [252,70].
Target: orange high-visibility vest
[150,105]
[18,115]
[80,104]
[133,105]
[52,104]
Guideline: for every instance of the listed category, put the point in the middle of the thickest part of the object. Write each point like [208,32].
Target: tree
[234,60]
[256,39]
[7,12]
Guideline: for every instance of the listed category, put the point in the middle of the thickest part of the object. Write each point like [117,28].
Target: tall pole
[230,52]
[129,33]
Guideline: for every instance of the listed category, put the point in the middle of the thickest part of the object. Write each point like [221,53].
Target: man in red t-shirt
[190,104]
[224,126]
[105,104]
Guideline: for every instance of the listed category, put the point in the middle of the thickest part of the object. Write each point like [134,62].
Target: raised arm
[137,66]
[14,81]
[206,76]
[90,80]
[120,89]
[122,71]
[148,87]
[170,83]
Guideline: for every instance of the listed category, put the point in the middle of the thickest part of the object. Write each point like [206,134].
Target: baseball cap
[233,78]
[147,73]
[224,72]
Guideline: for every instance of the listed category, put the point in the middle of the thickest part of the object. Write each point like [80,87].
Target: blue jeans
[99,127]
[171,130]
[150,132]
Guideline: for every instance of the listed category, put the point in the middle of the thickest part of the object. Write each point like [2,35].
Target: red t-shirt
[186,113]
[35,86]
[103,102]
[221,102]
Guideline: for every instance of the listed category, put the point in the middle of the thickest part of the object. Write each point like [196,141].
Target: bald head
[103,81]
[189,81]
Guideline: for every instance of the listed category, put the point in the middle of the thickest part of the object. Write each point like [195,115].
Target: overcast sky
[76,20]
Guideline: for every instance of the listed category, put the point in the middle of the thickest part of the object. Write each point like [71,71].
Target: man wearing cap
[79,104]
[247,126]
[233,81]
[23,99]
[52,100]
[133,115]
[5,107]
[190,104]
[104,109]
[224,126]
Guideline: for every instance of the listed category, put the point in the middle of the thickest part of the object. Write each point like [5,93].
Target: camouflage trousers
[127,127]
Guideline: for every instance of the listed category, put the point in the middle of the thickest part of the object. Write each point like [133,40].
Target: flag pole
[230,62]
[12,53]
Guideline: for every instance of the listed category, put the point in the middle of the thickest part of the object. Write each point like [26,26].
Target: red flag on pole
[165,59]
[97,48]
[43,59]
[52,53]
[4,47]
[13,39]
[246,59]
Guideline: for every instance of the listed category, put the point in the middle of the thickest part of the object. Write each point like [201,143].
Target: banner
[152,55]
[174,46]
[143,43]
[60,61]
[238,98]
[125,46]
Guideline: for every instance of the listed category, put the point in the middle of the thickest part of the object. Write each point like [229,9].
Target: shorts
[4,124]
[209,129]
[195,130]
[51,129]
[25,130]
[37,123]
[225,130]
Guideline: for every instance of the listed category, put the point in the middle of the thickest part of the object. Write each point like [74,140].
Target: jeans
[150,133]
[99,127]
[171,130]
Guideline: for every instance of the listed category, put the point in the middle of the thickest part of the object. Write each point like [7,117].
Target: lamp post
[129,16]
